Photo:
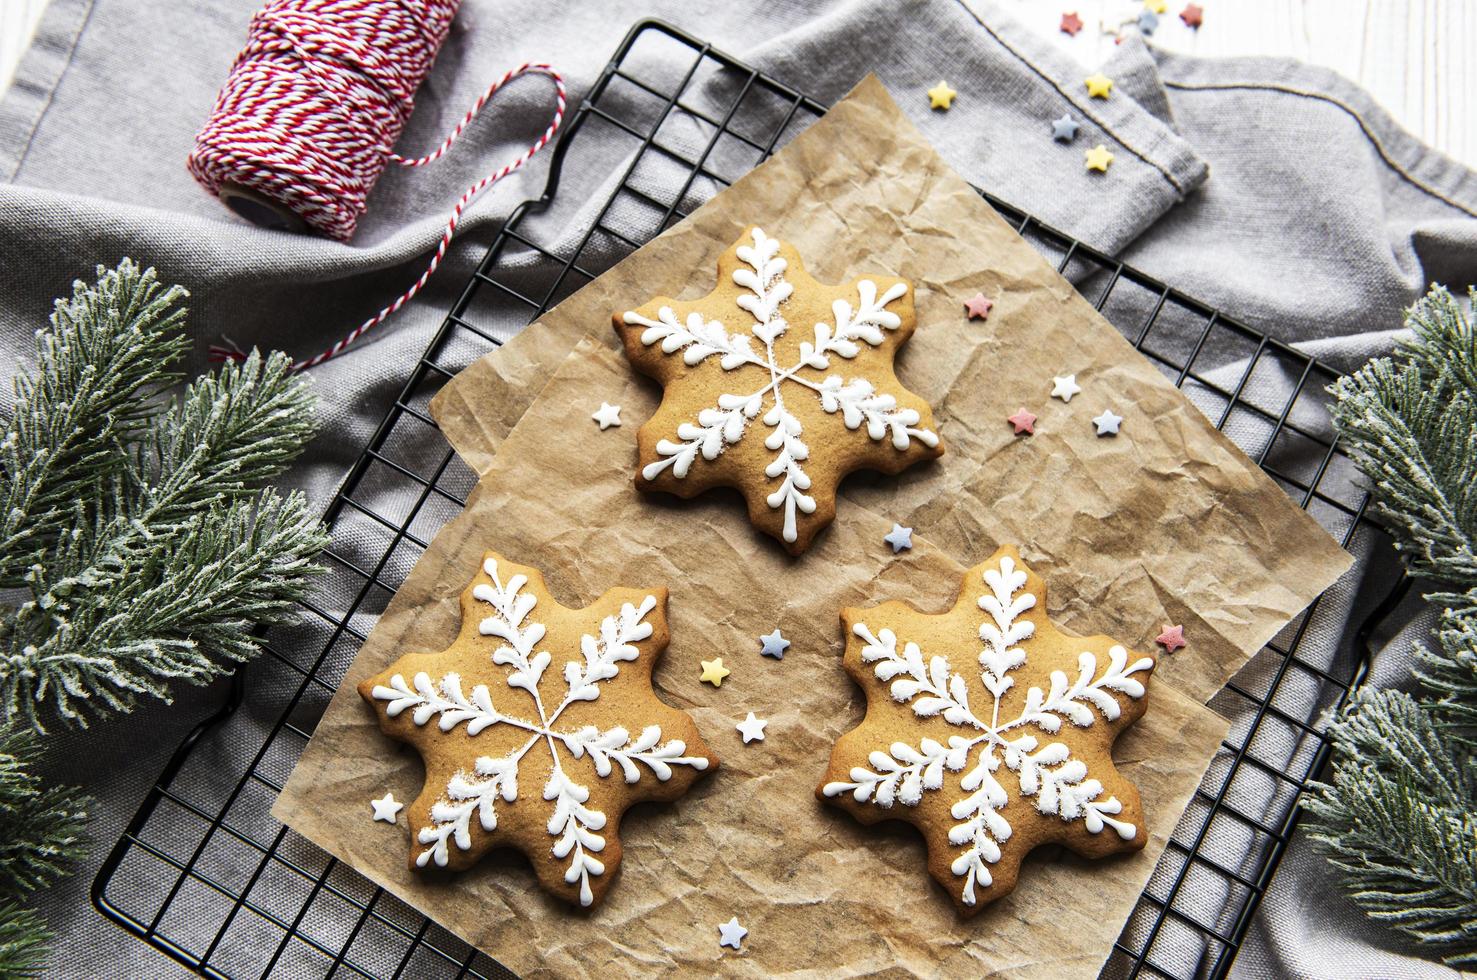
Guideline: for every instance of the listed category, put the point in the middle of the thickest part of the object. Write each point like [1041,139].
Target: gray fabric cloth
[1277,192]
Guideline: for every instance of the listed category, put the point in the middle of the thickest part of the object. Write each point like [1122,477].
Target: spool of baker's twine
[309,115]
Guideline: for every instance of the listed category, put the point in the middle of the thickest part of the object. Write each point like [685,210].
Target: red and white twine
[314,104]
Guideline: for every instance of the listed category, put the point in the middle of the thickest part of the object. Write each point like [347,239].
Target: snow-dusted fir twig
[43,828]
[1399,812]
[1048,773]
[574,826]
[761,275]
[131,523]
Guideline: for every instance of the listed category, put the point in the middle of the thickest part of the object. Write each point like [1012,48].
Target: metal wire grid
[207,876]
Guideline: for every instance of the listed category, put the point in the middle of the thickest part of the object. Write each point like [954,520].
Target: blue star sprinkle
[899,537]
[1148,20]
[1064,130]
[773,645]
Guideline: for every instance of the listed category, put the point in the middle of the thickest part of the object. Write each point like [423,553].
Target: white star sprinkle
[607,416]
[899,537]
[732,933]
[1107,423]
[1065,387]
[752,728]
[386,809]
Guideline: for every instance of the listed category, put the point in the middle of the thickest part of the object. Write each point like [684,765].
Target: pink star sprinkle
[1023,421]
[1172,638]
[1071,24]
[978,306]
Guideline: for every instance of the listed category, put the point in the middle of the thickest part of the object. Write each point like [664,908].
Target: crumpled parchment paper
[1169,521]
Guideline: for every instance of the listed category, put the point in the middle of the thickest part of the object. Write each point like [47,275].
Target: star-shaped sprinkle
[941,96]
[979,306]
[1107,423]
[1098,158]
[714,671]
[1148,20]
[1172,638]
[773,645]
[1065,387]
[386,809]
[1193,15]
[1064,130]
[988,714]
[1023,421]
[1071,23]
[752,729]
[519,723]
[899,537]
[1099,86]
[1156,6]
[731,933]
[607,415]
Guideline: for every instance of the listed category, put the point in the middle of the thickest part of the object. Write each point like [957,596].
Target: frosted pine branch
[1450,674]
[41,827]
[1398,818]
[232,429]
[1411,423]
[1399,812]
[135,526]
[42,830]
[103,629]
[109,350]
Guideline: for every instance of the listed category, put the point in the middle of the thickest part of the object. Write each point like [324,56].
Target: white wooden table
[1418,57]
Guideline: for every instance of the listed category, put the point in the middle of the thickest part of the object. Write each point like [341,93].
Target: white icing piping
[857,401]
[1058,782]
[573,824]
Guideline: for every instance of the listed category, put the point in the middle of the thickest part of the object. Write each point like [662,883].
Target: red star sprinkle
[1193,15]
[1023,421]
[1071,24]
[1172,638]
[978,306]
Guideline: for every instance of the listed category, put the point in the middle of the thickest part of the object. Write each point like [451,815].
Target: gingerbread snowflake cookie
[538,727]
[777,385]
[990,730]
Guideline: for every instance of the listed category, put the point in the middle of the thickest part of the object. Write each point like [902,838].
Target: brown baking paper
[819,893]
[1169,521]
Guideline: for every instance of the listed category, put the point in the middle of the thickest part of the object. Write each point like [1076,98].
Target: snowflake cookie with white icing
[990,730]
[777,385]
[538,727]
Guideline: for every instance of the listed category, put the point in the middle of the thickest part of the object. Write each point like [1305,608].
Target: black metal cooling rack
[207,876]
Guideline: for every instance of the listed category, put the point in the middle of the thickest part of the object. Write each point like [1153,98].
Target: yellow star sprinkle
[1099,85]
[1098,158]
[1157,6]
[941,96]
[714,671]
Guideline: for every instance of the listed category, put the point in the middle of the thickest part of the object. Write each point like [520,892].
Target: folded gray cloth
[1277,192]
